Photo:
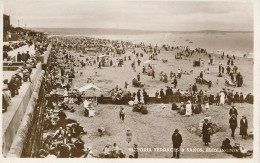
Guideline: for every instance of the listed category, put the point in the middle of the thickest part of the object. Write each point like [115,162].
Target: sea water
[233,43]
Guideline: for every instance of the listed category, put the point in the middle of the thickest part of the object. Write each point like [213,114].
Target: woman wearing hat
[233,124]
[243,127]
[206,132]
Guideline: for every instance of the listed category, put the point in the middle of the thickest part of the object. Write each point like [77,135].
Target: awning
[89,86]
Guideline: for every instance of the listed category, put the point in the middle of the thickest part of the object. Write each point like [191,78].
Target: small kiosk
[91,100]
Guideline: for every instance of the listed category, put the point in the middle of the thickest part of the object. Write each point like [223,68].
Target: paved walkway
[22,49]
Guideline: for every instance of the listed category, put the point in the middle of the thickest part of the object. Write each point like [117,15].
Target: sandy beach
[155,129]
[107,77]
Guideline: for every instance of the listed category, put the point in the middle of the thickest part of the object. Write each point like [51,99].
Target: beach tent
[148,61]
[89,86]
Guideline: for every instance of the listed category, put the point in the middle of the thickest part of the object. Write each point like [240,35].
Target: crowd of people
[196,96]
[64,135]
[63,138]
[188,98]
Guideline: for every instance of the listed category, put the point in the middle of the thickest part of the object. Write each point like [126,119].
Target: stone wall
[19,107]
[21,136]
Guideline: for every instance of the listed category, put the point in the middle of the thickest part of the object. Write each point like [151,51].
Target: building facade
[6,26]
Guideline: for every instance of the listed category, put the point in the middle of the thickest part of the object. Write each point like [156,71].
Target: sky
[145,15]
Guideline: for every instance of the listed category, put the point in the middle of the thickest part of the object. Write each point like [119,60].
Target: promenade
[12,118]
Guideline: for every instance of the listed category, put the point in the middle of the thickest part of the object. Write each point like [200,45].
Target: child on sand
[128,135]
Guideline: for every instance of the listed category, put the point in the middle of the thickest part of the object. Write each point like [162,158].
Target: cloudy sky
[163,15]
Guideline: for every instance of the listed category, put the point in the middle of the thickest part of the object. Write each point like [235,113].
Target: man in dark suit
[27,56]
[241,97]
[145,95]
[176,141]
[194,88]
[19,57]
[23,57]
[233,124]
[232,111]
[243,127]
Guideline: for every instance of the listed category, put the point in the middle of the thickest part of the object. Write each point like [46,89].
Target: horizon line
[144,30]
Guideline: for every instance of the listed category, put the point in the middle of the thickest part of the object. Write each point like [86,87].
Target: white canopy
[88,87]
[147,61]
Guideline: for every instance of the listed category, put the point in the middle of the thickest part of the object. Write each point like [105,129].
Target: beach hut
[89,104]
[90,90]
[89,86]
[105,59]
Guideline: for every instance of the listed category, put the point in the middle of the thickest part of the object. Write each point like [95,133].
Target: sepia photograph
[128,79]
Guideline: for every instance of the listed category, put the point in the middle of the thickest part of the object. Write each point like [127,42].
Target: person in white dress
[188,109]
[222,98]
